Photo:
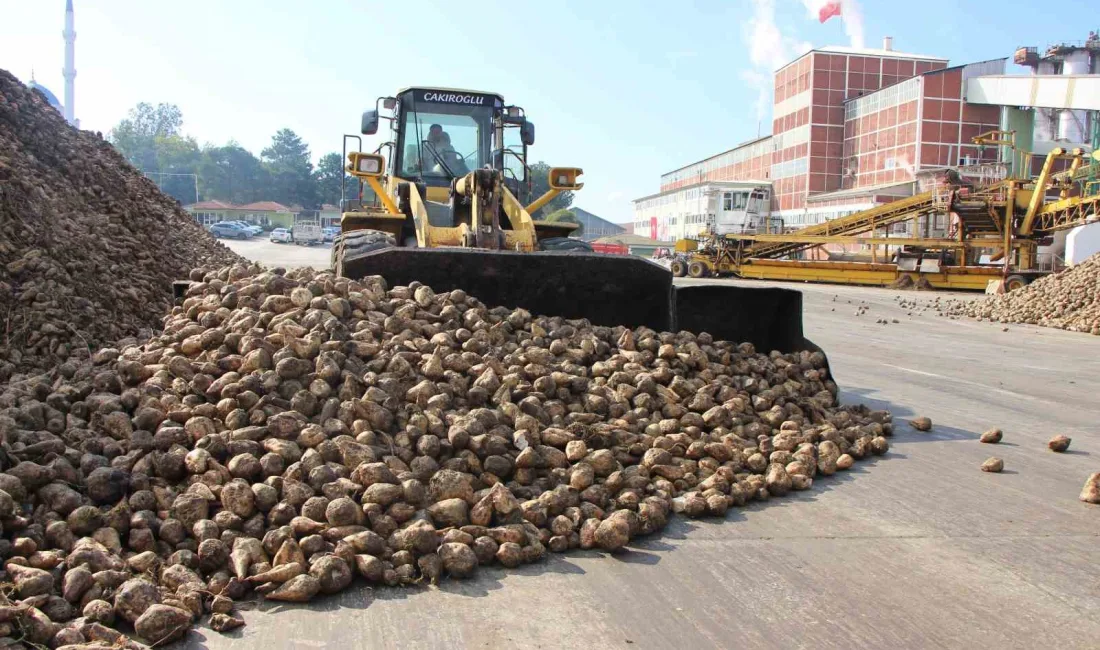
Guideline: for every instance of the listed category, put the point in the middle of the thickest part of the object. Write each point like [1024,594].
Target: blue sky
[626,90]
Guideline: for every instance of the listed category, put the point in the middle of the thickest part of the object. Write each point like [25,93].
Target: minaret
[70,65]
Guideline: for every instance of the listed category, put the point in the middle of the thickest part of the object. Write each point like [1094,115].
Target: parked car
[281,235]
[229,229]
[330,233]
[252,228]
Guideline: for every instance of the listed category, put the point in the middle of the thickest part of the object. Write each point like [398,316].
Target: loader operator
[431,149]
[416,154]
[447,153]
[435,133]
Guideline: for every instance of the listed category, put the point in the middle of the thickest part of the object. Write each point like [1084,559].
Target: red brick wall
[880,147]
[948,124]
[755,168]
[933,129]
[832,78]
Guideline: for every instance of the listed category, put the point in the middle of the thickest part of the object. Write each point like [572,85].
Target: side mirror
[370,123]
[527,133]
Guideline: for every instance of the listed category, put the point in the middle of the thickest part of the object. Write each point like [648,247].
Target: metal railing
[1049,262]
[1054,48]
[984,174]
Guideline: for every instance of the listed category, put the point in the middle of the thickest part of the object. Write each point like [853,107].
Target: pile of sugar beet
[1069,300]
[289,432]
[88,245]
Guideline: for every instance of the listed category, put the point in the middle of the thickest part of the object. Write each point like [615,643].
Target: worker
[435,134]
[414,156]
[450,155]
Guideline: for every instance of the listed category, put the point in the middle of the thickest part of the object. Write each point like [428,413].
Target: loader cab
[440,135]
[443,134]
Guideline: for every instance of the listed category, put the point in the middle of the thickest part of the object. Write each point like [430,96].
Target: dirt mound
[286,434]
[1069,300]
[88,245]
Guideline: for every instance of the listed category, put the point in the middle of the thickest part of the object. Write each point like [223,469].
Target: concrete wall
[1082,243]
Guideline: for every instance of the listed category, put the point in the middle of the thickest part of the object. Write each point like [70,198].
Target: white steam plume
[850,13]
[769,50]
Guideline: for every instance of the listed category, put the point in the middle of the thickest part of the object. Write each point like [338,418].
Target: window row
[901,93]
[726,159]
[790,168]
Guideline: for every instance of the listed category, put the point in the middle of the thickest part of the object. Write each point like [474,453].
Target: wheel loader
[452,208]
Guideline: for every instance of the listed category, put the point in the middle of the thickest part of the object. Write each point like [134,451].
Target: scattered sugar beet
[992,436]
[290,432]
[1091,492]
[921,423]
[993,464]
[1059,443]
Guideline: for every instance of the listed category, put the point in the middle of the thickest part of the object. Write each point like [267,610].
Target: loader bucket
[605,289]
[767,317]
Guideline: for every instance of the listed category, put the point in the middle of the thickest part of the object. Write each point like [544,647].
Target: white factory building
[684,212]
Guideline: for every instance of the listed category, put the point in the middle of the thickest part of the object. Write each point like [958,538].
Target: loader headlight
[365,164]
[370,165]
[565,178]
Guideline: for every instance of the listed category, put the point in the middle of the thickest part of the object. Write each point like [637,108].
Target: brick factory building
[852,128]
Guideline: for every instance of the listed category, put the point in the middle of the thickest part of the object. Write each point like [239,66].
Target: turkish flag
[653,227]
[829,10]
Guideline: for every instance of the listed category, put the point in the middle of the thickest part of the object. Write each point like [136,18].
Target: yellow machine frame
[1019,210]
[388,217]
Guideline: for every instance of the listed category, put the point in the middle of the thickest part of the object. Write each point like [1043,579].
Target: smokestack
[888,43]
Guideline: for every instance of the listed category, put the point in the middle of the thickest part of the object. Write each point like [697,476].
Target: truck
[307,233]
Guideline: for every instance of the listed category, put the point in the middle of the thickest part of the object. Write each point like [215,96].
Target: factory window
[734,201]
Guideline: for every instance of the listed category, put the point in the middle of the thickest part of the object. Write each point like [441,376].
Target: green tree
[231,173]
[177,161]
[150,138]
[135,137]
[539,177]
[565,215]
[291,172]
[329,174]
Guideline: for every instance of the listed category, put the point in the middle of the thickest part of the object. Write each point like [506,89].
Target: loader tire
[698,270]
[564,244]
[1014,282]
[356,244]
[678,268]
